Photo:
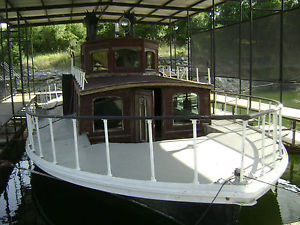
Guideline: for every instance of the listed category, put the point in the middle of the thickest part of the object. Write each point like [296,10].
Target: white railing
[260,108]
[79,76]
[182,73]
[274,114]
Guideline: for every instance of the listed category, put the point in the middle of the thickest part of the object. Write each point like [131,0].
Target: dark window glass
[108,107]
[127,58]
[99,60]
[185,104]
[150,59]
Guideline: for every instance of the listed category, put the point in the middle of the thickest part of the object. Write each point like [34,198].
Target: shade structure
[43,12]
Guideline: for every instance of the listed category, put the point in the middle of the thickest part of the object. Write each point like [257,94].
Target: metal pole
[2,61]
[107,148]
[175,53]
[243,150]
[263,136]
[76,144]
[213,56]
[151,150]
[20,59]
[280,130]
[52,140]
[251,49]
[275,119]
[10,64]
[171,36]
[32,65]
[196,181]
[281,52]
[29,130]
[39,136]
[188,42]
[240,48]
[27,61]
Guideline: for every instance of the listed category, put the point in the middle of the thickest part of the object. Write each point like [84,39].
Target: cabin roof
[41,12]
[108,83]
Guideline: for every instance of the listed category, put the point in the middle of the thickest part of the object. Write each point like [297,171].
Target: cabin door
[144,107]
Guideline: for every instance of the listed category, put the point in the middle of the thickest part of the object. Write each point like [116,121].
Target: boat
[174,145]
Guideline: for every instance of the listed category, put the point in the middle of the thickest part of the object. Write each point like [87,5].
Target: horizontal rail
[273,114]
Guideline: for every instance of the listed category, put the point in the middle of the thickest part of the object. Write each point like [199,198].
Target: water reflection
[33,199]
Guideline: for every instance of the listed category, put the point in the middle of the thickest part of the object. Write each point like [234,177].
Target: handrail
[273,112]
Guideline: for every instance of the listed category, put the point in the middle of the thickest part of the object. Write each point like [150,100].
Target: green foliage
[150,31]
[50,39]
[60,60]
[106,30]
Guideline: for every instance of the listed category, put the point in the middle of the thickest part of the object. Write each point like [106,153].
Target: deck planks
[173,159]
[6,106]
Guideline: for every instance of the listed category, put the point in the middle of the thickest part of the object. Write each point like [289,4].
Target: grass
[164,51]
[59,61]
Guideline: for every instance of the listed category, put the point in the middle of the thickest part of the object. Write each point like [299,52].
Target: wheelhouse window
[127,58]
[108,107]
[150,59]
[185,104]
[99,60]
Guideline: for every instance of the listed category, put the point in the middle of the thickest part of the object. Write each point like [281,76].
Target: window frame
[122,113]
[181,122]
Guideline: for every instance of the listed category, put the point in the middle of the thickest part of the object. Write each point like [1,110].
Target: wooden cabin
[123,80]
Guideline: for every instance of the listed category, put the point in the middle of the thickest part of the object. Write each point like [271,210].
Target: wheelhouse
[123,80]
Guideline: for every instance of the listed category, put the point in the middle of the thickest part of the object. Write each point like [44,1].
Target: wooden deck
[289,135]
[173,159]
[189,170]
[6,106]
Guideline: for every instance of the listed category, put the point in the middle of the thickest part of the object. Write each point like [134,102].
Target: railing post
[39,136]
[76,144]
[49,89]
[187,73]
[248,105]
[259,109]
[274,135]
[215,103]
[263,136]
[294,126]
[29,128]
[280,130]
[52,141]
[236,105]
[225,108]
[270,118]
[196,181]
[243,150]
[83,83]
[107,148]
[208,75]
[151,150]
[55,89]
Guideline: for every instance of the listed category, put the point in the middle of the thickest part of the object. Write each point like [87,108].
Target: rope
[212,202]
[274,185]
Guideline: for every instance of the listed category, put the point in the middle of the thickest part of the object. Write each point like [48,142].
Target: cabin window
[99,60]
[127,58]
[185,104]
[150,59]
[108,107]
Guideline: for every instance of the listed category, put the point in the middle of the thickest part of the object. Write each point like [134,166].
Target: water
[28,198]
